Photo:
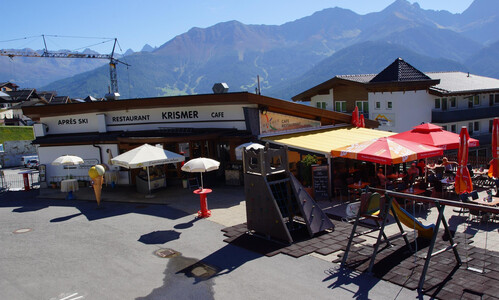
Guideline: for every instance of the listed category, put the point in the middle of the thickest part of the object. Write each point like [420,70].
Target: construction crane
[113,92]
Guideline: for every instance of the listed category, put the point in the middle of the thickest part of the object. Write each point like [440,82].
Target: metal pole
[148,180]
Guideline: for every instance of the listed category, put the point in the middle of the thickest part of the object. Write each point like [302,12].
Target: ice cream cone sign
[96,173]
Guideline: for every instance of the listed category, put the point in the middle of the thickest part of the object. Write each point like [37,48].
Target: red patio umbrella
[463,179]
[387,150]
[494,164]
[433,135]
[362,122]
[355,117]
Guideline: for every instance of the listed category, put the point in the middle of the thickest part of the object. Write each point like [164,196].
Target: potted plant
[306,171]
[53,184]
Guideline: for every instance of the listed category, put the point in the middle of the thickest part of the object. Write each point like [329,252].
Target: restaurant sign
[274,122]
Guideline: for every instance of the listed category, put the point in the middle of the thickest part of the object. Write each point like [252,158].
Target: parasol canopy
[200,165]
[239,149]
[355,117]
[494,164]
[463,182]
[433,135]
[387,150]
[146,156]
[67,160]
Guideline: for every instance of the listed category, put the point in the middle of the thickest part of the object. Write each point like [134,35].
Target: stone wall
[14,151]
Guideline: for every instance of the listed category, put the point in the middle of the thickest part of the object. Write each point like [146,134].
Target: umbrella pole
[201,173]
[148,181]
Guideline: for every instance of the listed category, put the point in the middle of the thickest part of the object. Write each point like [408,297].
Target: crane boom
[112,61]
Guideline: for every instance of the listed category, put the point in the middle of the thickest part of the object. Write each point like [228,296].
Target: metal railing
[15,182]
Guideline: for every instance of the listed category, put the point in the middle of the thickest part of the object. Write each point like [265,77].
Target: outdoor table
[204,212]
[354,187]
[494,202]
[69,186]
[481,173]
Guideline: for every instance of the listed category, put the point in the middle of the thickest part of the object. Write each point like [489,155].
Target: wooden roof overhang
[400,86]
[325,87]
[264,103]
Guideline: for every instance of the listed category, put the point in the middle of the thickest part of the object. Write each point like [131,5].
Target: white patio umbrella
[146,156]
[200,165]
[239,149]
[67,160]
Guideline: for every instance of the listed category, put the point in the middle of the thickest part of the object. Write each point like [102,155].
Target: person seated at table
[448,165]
[412,173]
[421,166]
[439,169]
[383,181]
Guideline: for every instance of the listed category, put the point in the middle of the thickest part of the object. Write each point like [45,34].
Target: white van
[26,158]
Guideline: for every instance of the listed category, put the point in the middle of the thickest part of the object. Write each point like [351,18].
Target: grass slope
[16,133]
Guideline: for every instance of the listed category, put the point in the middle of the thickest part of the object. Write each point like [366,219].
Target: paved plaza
[137,247]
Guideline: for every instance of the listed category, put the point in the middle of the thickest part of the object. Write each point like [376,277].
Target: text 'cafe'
[209,125]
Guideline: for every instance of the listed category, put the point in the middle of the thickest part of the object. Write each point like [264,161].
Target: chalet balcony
[450,116]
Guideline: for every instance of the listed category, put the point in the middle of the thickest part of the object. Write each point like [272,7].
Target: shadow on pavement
[27,201]
[159,237]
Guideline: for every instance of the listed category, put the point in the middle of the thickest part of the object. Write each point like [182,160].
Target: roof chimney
[220,88]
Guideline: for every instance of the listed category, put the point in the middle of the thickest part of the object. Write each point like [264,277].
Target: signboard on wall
[320,179]
[275,122]
[215,116]
[385,119]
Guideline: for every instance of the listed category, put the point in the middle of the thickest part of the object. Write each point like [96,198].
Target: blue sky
[154,22]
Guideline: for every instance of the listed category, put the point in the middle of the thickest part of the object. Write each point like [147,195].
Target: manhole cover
[23,230]
[200,270]
[166,253]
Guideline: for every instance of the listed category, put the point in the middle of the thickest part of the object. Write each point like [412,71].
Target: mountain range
[291,57]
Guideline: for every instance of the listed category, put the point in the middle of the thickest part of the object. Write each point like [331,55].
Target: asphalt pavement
[74,249]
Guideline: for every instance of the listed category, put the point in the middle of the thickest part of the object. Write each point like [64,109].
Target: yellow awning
[324,140]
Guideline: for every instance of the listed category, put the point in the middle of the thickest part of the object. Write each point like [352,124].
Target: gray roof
[362,78]
[462,83]
[400,71]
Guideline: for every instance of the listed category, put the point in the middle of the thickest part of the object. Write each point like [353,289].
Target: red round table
[204,212]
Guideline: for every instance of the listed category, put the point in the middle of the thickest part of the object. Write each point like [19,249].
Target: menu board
[320,177]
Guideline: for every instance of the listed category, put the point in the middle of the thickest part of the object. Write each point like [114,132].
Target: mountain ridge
[236,53]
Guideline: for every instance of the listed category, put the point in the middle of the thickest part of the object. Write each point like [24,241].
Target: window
[444,103]
[389,105]
[444,127]
[340,106]
[377,105]
[453,128]
[322,104]
[453,102]
[497,99]
[476,126]
[363,106]
[476,100]
[473,127]
[437,103]
[491,99]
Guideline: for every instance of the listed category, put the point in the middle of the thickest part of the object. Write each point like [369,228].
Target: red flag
[463,179]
